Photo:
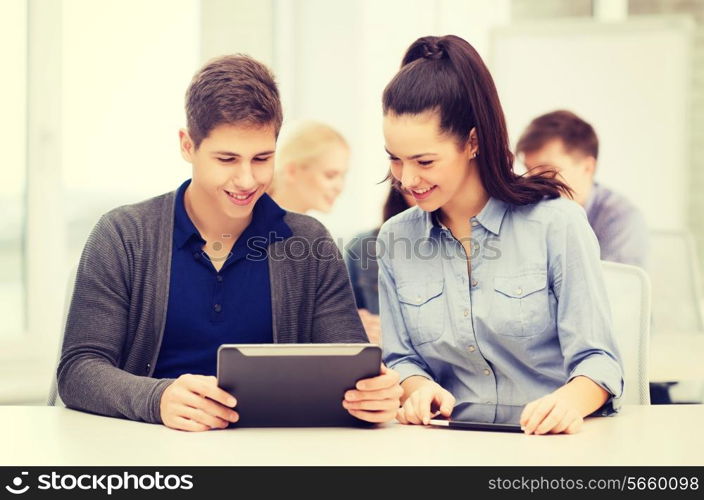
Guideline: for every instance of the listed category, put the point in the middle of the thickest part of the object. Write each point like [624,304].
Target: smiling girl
[502,299]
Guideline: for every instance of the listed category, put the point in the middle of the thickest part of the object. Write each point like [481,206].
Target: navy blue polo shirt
[208,308]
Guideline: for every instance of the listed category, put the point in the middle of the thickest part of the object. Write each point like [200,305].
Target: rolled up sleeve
[584,322]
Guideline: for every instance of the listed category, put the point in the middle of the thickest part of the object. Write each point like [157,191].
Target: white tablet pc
[294,385]
[482,417]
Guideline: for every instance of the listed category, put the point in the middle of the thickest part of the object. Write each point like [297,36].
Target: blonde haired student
[311,167]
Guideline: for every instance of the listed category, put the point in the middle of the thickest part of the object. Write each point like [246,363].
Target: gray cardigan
[116,320]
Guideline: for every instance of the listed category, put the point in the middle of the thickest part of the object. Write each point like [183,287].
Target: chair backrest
[677,290]
[628,289]
[54,399]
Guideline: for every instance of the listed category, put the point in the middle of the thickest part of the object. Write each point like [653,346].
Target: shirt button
[519,291]
[196,255]
[418,299]
[475,282]
[149,367]
[475,223]
[466,313]
[486,371]
[219,278]
[471,348]
[217,308]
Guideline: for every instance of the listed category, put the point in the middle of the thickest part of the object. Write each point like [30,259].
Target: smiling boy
[163,283]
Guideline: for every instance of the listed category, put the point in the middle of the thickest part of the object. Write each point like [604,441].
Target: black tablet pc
[482,417]
[294,385]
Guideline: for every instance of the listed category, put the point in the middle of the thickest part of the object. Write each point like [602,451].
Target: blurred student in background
[360,256]
[563,142]
[311,166]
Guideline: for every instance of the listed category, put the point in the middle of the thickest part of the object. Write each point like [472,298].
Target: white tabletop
[640,435]
[676,357]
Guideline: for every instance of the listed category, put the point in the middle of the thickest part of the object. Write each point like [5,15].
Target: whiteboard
[631,80]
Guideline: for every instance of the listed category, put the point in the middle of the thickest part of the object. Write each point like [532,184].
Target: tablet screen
[483,417]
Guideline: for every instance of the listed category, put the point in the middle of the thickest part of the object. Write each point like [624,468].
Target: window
[13,127]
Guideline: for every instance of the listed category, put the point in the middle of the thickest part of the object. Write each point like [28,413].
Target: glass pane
[121,113]
[13,102]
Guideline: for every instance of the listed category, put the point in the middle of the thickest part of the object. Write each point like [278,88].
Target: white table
[676,357]
[640,435]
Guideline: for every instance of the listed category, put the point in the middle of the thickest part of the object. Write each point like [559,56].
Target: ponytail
[447,74]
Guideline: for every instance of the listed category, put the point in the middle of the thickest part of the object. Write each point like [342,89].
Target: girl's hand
[418,407]
[563,410]
[552,414]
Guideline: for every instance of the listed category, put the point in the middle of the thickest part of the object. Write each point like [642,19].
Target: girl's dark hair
[395,203]
[446,74]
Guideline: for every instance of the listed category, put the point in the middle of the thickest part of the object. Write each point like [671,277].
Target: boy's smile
[232,168]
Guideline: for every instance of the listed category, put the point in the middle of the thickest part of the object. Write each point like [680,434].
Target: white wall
[13,127]
[126,67]
[237,26]
[13,95]
[629,79]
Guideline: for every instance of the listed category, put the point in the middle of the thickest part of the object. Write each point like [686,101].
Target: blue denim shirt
[207,307]
[532,315]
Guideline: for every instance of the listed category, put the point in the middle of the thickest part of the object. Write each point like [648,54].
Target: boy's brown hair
[575,134]
[233,89]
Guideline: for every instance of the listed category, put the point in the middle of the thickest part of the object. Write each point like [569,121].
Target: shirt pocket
[520,305]
[422,310]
